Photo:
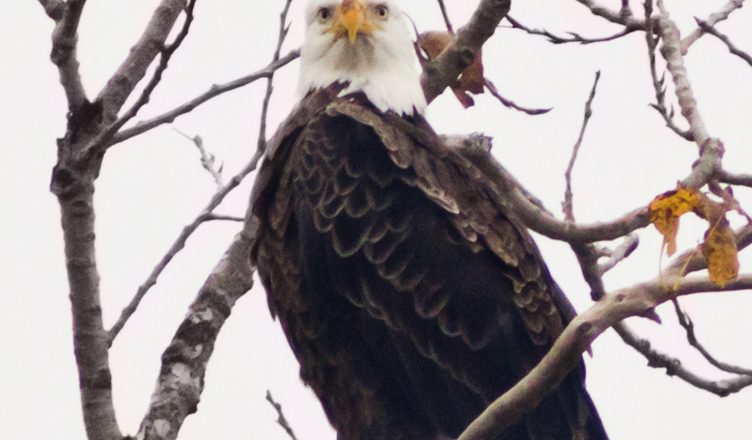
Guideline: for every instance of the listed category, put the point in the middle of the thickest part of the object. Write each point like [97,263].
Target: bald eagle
[410,298]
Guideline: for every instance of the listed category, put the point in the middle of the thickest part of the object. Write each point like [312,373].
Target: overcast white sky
[152,186]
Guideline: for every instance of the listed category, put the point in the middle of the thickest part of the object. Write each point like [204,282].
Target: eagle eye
[382,11]
[323,15]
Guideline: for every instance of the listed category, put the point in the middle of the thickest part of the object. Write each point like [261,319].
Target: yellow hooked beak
[351,18]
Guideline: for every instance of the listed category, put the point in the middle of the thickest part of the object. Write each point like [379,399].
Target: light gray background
[152,186]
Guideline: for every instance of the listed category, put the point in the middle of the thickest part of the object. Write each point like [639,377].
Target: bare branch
[207,159]
[184,362]
[686,322]
[544,223]
[726,40]
[134,67]
[223,218]
[573,38]
[178,246]
[506,102]
[735,179]
[213,92]
[64,43]
[577,337]
[203,216]
[711,149]
[444,14]
[53,8]
[674,367]
[567,205]
[659,83]
[439,73]
[164,60]
[618,17]
[626,10]
[284,28]
[281,419]
[621,253]
[712,20]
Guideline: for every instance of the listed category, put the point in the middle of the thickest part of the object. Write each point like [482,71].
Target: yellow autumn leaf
[720,252]
[666,209]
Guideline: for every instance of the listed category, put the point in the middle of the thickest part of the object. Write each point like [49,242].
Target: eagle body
[410,296]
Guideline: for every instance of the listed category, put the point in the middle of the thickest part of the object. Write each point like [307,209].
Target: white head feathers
[367,44]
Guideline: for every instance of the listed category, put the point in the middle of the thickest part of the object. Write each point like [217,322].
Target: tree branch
[444,14]
[567,205]
[207,159]
[735,179]
[178,245]
[566,352]
[706,27]
[184,362]
[621,253]
[281,419]
[64,43]
[617,17]
[213,92]
[89,336]
[134,67]
[284,28]
[659,83]
[166,53]
[207,213]
[573,38]
[443,71]
[689,327]
[712,20]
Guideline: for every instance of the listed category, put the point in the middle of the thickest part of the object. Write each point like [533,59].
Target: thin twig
[573,38]
[506,102]
[712,20]
[213,92]
[626,10]
[567,205]
[207,159]
[706,27]
[621,253]
[166,53]
[185,360]
[284,28]
[444,14]
[133,69]
[64,46]
[618,17]
[686,322]
[202,217]
[53,8]
[711,149]
[281,419]
[674,367]
[224,218]
[659,83]
[735,179]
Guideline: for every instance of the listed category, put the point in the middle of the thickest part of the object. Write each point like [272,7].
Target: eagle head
[367,45]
